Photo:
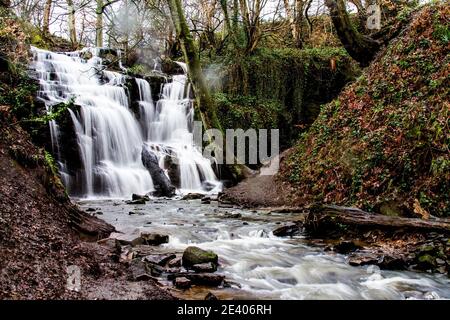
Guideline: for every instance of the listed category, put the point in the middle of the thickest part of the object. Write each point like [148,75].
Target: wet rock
[208,186]
[362,260]
[90,210]
[154,239]
[139,201]
[206,200]
[232,215]
[345,247]
[290,230]
[171,164]
[231,284]
[127,239]
[204,267]
[139,270]
[163,186]
[195,255]
[182,283]
[193,196]
[174,263]
[392,263]
[426,262]
[135,197]
[206,279]
[159,259]
[211,296]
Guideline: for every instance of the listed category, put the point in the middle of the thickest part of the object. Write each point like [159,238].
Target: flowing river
[107,164]
[265,266]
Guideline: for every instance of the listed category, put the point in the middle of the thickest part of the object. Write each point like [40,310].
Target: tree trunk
[47,11]
[204,103]
[326,219]
[298,40]
[291,19]
[72,29]
[360,47]
[99,24]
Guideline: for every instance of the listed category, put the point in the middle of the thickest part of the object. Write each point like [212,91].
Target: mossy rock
[195,255]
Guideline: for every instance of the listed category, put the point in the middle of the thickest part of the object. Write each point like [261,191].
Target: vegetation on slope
[384,143]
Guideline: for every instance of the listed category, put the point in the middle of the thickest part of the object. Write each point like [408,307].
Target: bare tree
[47,11]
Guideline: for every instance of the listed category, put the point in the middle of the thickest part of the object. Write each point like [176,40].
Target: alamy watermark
[239,146]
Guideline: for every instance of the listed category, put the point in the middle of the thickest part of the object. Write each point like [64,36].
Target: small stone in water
[182,282]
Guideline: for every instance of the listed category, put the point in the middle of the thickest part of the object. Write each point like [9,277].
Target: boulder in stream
[163,186]
[287,230]
[193,196]
[135,197]
[154,239]
[194,255]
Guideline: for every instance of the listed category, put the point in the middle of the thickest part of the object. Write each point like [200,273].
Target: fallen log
[327,219]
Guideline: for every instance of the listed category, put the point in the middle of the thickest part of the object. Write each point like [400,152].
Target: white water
[109,135]
[266,266]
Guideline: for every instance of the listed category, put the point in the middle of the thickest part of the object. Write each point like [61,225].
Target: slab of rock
[127,239]
[362,260]
[288,230]
[204,267]
[163,186]
[175,263]
[194,255]
[159,259]
[135,197]
[345,247]
[182,283]
[139,201]
[139,270]
[154,239]
[110,243]
[206,279]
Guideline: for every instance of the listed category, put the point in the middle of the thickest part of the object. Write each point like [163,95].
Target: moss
[297,81]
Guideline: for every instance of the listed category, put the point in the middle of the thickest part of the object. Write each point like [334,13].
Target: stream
[260,265]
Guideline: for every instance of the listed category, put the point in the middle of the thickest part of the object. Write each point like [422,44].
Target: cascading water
[109,136]
[169,134]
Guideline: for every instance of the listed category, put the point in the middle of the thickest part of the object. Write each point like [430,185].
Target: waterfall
[110,135]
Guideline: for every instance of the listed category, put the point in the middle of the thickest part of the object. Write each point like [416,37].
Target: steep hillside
[383,145]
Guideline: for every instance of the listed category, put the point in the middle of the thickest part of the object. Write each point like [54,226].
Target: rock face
[162,184]
[173,170]
[196,256]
